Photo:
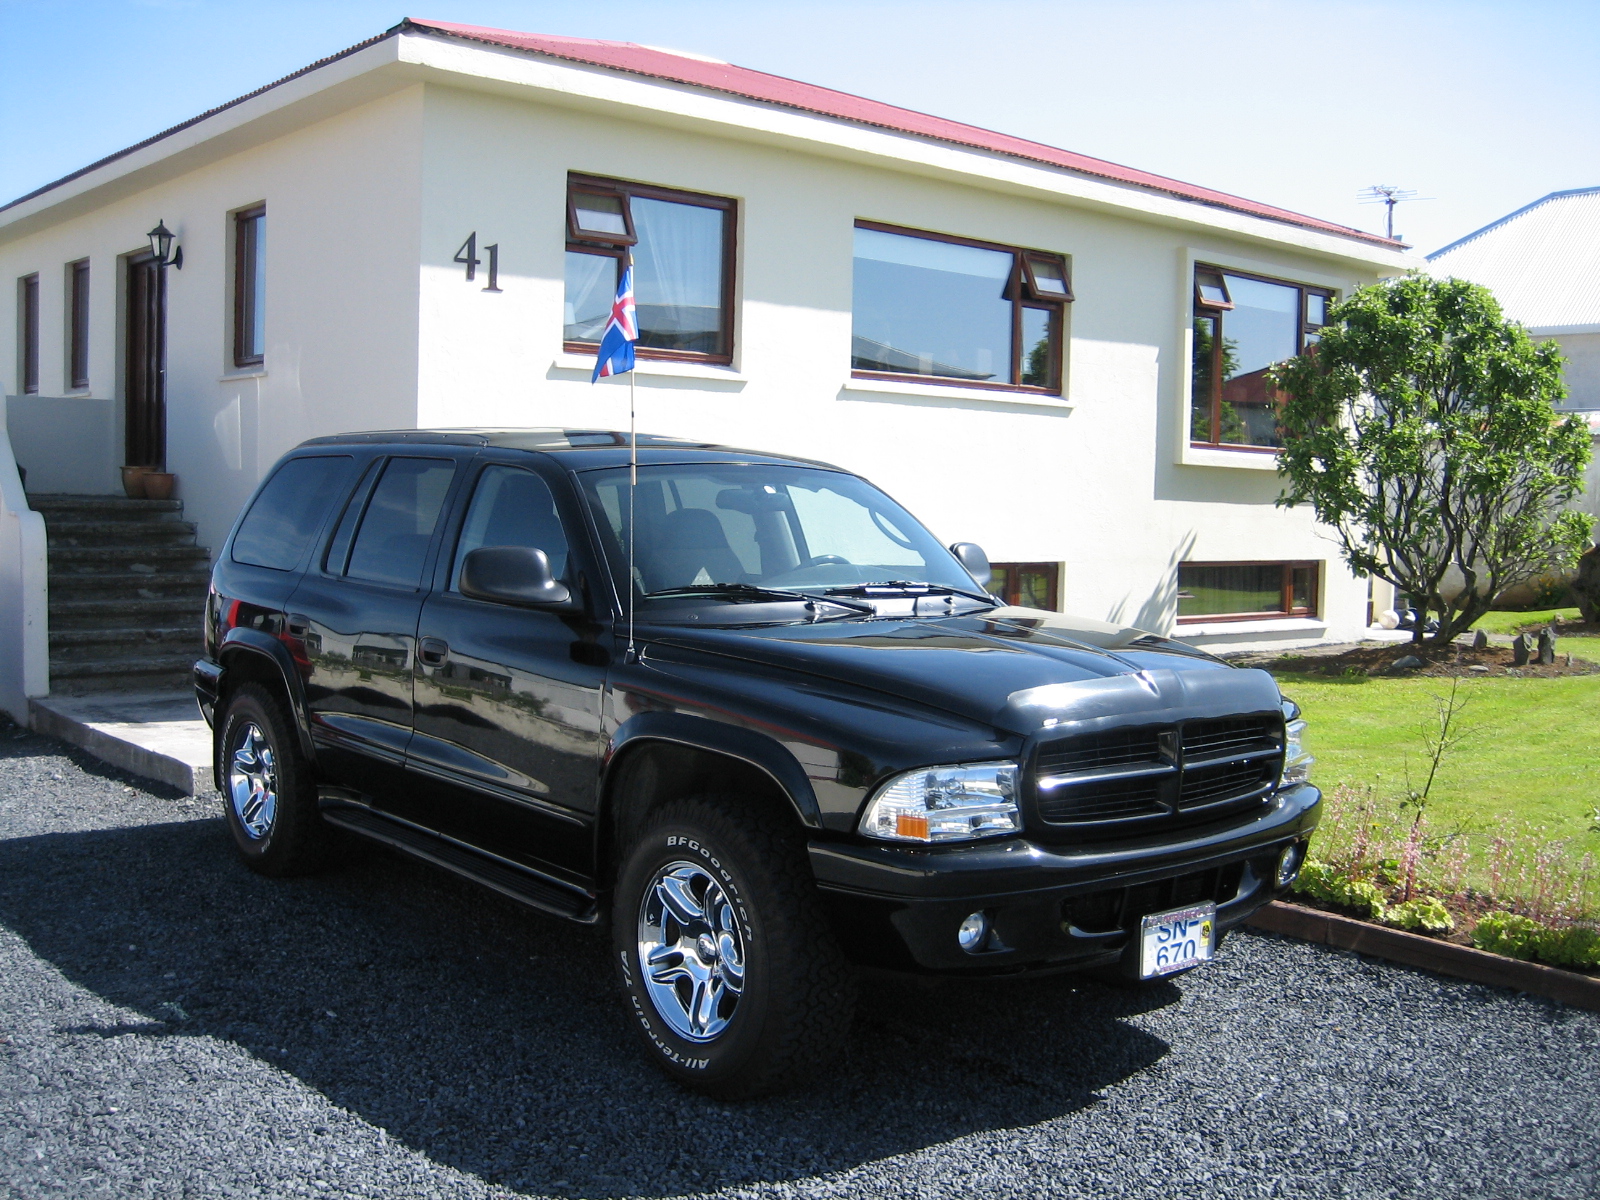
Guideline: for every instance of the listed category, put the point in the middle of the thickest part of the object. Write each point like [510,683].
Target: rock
[1586,585]
[1388,619]
[1409,663]
[1480,640]
[1480,669]
[1519,650]
[1547,647]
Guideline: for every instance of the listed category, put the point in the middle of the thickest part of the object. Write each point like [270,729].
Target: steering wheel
[824,560]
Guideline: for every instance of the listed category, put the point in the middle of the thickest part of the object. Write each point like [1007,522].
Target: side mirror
[512,575]
[971,556]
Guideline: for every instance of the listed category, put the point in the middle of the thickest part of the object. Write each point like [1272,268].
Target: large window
[681,245]
[28,333]
[956,311]
[289,510]
[1246,590]
[78,324]
[250,287]
[1027,585]
[1243,325]
[391,543]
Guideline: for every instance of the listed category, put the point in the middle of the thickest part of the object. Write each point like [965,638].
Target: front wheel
[731,972]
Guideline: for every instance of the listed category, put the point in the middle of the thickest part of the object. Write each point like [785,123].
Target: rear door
[356,612]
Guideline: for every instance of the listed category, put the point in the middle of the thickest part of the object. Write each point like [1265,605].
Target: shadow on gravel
[492,1040]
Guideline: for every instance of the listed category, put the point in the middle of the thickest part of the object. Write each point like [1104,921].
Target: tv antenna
[1388,195]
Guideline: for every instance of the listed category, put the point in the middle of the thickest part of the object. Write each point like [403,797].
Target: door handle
[433,651]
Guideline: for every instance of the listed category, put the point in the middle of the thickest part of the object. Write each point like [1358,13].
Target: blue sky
[1302,103]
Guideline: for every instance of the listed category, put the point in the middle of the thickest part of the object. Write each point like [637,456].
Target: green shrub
[1523,937]
[1424,913]
[1507,933]
[1323,882]
[1573,946]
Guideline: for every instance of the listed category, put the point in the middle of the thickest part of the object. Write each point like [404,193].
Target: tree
[1421,429]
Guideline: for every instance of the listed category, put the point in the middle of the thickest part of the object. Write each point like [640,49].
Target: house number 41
[468,255]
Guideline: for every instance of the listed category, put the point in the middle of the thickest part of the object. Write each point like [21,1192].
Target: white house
[1056,357]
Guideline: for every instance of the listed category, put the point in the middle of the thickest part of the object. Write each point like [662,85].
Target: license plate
[1171,941]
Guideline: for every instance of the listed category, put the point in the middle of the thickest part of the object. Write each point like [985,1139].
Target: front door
[145,379]
[508,736]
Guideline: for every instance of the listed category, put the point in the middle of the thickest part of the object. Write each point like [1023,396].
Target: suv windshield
[760,526]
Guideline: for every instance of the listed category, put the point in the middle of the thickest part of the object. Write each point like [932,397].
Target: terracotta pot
[158,485]
[133,481]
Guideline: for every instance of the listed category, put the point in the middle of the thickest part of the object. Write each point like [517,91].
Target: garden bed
[1441,662]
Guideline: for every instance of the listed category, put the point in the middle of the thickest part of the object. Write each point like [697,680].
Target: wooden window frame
[78,325]
[28,334]
[1218,314]
[1289,612]
[1051,570]
[244,287]
[619,247]
[1022,293]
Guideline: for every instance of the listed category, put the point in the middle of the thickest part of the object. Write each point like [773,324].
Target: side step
[536,891]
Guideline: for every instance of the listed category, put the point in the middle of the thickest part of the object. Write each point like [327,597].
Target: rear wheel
[269,797]
[732,975]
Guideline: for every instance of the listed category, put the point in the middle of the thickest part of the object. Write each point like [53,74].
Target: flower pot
[158,485]
[133,481]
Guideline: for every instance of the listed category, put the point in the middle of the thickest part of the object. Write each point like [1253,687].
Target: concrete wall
[1103,481]
[342,201]
[67,443]
[24,595]
[1582,372]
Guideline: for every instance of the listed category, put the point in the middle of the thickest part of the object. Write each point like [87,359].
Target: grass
[1510,622]
[1532,755]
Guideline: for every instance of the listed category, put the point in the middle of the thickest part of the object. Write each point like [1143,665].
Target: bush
[1322,882]
[1522,937]
[1424,913]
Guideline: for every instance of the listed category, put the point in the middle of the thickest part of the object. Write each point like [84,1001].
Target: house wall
[1103,482]
[1582,370]
[342,201]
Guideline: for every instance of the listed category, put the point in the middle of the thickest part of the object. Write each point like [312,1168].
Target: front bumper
[1050,906]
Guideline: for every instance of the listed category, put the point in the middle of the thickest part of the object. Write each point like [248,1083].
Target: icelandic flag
[621,332]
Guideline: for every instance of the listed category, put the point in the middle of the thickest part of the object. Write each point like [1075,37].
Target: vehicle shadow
[491,1039]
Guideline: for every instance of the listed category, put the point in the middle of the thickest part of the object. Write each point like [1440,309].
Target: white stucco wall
[1582,370]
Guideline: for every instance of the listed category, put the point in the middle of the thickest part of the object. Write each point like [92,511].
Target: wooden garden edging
[1414,950]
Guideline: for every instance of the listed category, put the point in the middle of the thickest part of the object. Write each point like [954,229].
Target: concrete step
[98,614]
[122,673]
[156,734]
[130,558]
[125,585]
[73,645]
[103,507]
[116,533]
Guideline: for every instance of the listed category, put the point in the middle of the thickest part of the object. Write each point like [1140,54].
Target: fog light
[974,930]
[1289,864]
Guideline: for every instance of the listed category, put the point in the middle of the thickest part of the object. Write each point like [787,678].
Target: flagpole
[633,482]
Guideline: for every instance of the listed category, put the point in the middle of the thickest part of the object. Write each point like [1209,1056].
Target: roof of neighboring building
[1542,262]
[713,75]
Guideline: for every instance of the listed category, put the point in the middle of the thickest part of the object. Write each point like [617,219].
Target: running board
[526,887]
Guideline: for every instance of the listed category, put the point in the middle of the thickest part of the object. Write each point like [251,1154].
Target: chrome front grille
[1155,771]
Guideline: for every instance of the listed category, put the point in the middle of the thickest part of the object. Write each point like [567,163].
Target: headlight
[1296,760]
[945,804]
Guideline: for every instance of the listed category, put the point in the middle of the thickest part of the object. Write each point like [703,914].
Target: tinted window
[395,530]
[513,507]
[289,510]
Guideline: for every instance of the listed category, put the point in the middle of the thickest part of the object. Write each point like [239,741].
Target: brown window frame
[1013,594]
[618,246]
[1217,313]
[1023,293]
[28,334]
[1289,612]
[78,325]
[244,288]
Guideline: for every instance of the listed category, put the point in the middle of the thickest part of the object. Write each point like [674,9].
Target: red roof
[807,97]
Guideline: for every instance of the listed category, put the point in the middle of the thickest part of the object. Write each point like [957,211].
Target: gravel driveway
[171,1025]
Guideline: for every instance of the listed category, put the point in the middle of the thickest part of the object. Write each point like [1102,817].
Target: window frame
[619,247]
[1051,570]
[28,334]
[1020,290]
[244,287]
[1289,611]
[1217,313]
[78,282]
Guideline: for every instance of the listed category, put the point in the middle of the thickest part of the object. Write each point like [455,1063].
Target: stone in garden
[1480,640]
[1547,647]
[1586,585]
[1519,650]
[1480,668]
[1409,663]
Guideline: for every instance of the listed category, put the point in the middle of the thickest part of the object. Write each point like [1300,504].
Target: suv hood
[1014,668]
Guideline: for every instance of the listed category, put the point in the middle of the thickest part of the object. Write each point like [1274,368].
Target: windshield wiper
[753,591]
[909,587]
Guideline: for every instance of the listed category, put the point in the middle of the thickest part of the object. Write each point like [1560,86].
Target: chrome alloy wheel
[690,951]
[253,780]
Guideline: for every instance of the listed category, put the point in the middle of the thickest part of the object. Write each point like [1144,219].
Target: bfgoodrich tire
[269,798]
[731,973]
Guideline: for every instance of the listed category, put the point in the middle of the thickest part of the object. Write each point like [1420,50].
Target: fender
[746,745]
[254,642]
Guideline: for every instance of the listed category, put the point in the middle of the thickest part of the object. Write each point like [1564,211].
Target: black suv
[743,705]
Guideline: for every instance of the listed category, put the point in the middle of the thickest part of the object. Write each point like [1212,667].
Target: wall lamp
[161,239]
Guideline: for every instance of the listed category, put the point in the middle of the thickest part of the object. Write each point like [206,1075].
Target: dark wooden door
[146,380]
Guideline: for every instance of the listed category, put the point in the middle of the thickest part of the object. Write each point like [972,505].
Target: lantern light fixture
[161,245]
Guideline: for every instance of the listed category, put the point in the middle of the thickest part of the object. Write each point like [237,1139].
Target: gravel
[171,1025]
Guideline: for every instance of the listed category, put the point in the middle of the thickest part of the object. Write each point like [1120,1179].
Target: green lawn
[1533,754]
[1510,622]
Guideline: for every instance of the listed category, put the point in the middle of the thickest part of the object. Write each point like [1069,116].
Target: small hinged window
[595,216]
[1211,289]
[1046,277]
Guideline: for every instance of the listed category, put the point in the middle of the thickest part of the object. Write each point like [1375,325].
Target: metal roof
[1542,262]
